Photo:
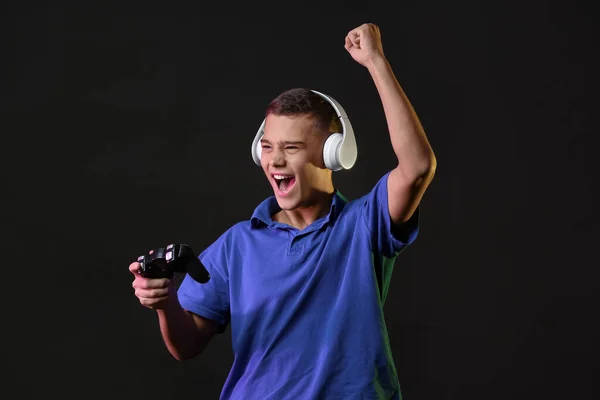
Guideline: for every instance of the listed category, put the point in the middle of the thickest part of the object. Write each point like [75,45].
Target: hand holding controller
[164,262]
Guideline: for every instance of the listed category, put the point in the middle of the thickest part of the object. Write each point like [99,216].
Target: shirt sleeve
[211,299]
[387,238]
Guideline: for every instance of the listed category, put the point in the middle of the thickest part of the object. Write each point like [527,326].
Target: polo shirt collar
[262,213]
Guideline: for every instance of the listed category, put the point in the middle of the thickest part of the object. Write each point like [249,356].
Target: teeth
[282,176]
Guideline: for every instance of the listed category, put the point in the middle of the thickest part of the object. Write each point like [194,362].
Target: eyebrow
[285,143]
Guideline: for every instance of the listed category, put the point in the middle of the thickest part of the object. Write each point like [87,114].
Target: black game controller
[164,262]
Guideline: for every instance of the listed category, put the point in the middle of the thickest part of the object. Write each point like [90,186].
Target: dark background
[125,129]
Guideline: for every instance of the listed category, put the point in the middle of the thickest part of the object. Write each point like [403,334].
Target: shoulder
[234,233]
[377,190]
[226,247]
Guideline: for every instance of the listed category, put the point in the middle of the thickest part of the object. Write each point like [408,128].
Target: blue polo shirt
[305,306]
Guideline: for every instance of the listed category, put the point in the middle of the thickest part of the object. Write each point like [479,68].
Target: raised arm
[416,167]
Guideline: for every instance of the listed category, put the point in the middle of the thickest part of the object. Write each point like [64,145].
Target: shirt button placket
[295,245]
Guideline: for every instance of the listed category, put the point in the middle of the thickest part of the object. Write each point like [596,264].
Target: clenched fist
[364,44]
[152,293]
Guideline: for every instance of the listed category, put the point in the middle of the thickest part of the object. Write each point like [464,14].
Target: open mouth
[284,182]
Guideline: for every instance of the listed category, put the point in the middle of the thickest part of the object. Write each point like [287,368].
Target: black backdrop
[128,128]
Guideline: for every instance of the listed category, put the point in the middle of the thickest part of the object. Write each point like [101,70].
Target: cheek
[307,171]
[264,165]
[298,162]
[316,155]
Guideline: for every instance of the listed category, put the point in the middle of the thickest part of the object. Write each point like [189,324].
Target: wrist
[170,304]
[376,64]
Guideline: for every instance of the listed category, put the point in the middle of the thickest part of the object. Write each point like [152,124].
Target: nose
[277,158]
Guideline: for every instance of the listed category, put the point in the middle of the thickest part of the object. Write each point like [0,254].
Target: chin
[287,203]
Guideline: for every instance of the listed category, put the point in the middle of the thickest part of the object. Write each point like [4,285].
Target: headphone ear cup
[258,151]
[331,151]
[256,147]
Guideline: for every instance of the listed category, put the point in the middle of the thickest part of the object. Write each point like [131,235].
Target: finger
[147,283]
[375,30]
[353,37]
[151,303]
[354,32]
[151,293]
[347,43]
[363,28]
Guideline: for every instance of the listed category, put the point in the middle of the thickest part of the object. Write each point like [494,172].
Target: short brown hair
[302,101]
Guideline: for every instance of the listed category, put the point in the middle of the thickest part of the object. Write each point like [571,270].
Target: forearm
[414,153]
[179,331]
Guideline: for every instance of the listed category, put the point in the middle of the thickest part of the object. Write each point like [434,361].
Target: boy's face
[292,158]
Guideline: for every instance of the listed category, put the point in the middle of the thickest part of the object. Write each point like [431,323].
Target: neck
[302,217]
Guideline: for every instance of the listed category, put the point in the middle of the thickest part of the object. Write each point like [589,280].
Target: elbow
[182,359]
[421,172]
[183,356]
[431,167]
[179,356]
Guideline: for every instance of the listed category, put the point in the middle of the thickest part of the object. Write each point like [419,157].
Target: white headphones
[339,151]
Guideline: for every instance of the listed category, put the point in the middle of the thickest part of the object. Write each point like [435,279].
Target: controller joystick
[164,262]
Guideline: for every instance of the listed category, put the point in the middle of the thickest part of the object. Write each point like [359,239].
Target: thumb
[135,267]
